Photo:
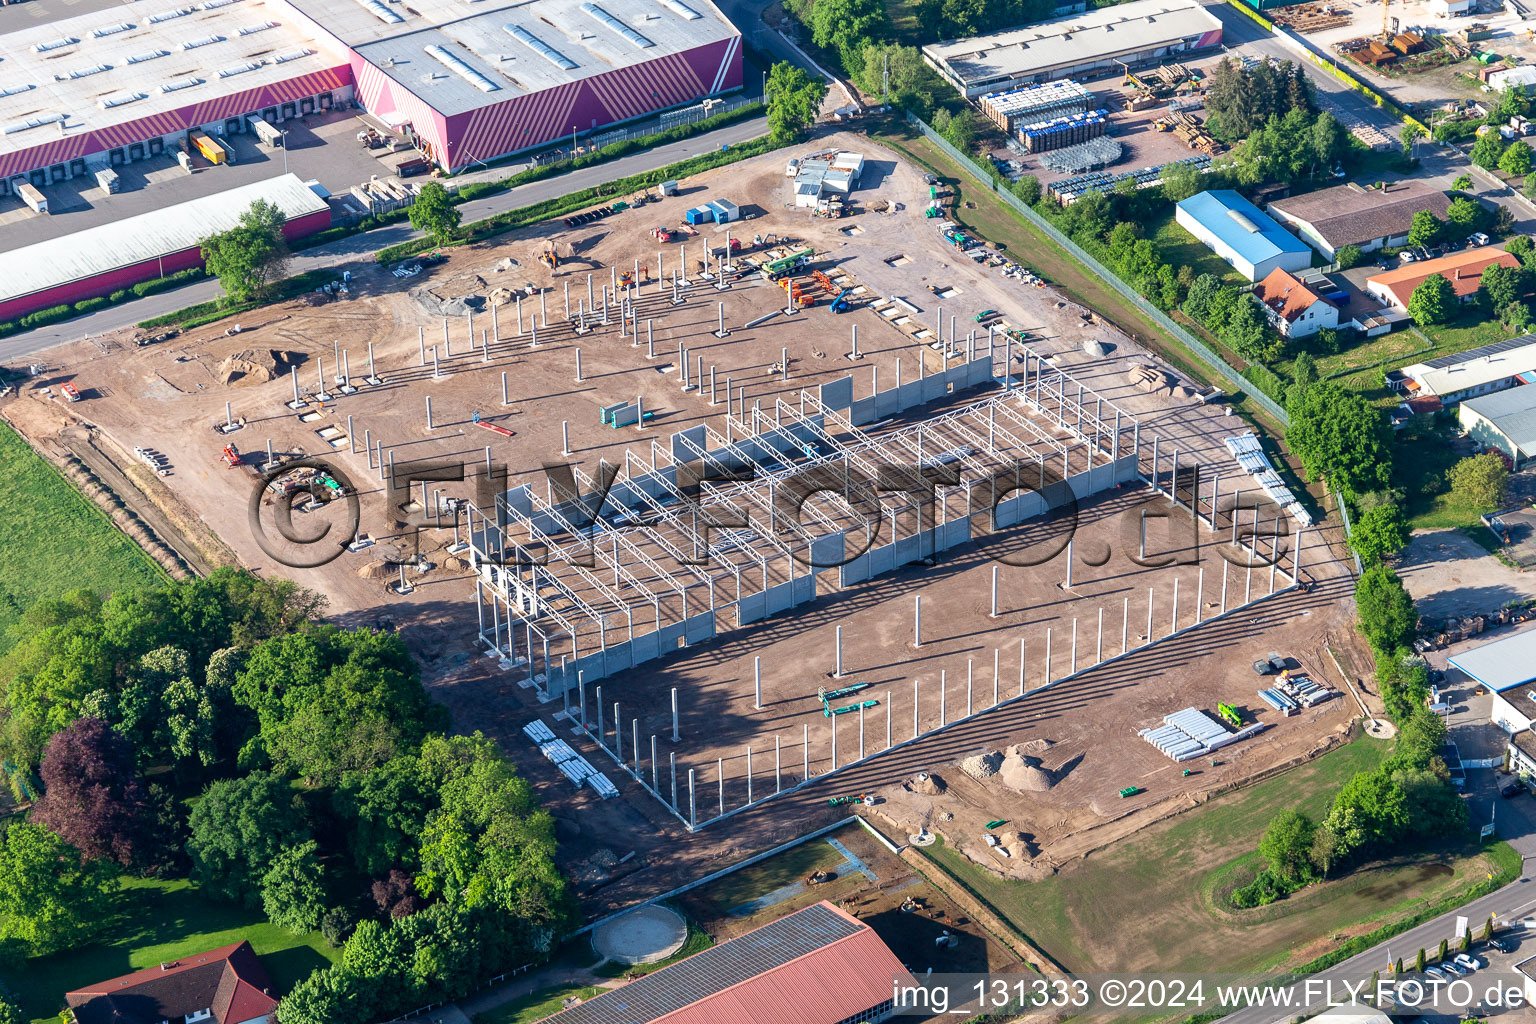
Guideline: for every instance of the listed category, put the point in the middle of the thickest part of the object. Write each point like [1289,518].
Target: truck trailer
[32,197]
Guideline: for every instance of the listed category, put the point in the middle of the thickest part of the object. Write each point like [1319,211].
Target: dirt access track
[173,396]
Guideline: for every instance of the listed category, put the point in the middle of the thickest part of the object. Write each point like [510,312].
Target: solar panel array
[1477,353]
[716,969]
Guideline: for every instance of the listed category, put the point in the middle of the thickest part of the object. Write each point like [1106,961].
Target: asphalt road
[359,249]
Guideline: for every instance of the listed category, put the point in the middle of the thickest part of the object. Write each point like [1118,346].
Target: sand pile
[500,297]
[252,366]
[1094,348]
[1148,378]
[455,564]
[377,570]
[1017,844]
[926,783]
[1023,774]
[982,766]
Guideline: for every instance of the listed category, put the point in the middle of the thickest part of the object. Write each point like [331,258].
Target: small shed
[724,210]
[807,193]
[700,215]
[669,188]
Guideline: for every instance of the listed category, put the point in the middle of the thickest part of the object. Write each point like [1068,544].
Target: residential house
[1294,310]
[1371,218]
[222,986]
[1464,270]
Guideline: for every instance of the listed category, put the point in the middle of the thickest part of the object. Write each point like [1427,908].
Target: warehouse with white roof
[1078,45]
[468,83]
[100,260]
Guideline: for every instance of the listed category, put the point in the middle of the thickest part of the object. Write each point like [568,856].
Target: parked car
[1478,238]
[985,315]
[1450,968]
[1407,257]
[1436,973]
[1513,789]
[1470,962]
[1502,945]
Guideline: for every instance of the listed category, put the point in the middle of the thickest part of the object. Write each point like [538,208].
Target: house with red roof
[1295,310]
[222,986]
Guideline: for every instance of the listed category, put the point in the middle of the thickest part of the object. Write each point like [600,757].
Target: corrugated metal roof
[1241,226]
[1452,374]
[815,966]
[1513,413]
[109,247]
[1501,664]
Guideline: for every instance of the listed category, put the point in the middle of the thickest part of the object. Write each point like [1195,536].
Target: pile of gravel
[981,766]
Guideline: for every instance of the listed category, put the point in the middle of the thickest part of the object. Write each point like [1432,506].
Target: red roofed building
[222,986]
[1464,270]
[1295,310]
[815,966]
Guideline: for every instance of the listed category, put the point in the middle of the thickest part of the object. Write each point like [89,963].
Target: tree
[336,925]
[1419,962]
[1386,612]
[912,84]
[1466,941]
[1479,481]
[1202,295]
[93,798]
[1464,216]
[1425,228]
[1463,183]
[1027,188]
[1516,159]
[1304,369]
[1433,301]
[1487,932]
[1180,181]
[395,895]
[1338,436]
[1397,968]
[1287,845]
[1528,188]
[1488,149]
[1347,256]
[1501,285]
[10,1012]
[1379,531]
[1522,247]
[1445,949]
[293,889]
[845,26]
[794,101]
[1410,134]
[434,213]
[1328,340]
[238,827]
[50,897]
[249,256]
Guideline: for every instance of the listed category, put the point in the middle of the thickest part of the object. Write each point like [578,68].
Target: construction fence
[1201,350]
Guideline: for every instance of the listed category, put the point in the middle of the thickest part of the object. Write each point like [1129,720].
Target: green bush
[1266,888]
[91,305]
[1265,379]
[51,315]
[118,296]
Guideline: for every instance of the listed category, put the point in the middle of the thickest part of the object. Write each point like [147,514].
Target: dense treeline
[214,729]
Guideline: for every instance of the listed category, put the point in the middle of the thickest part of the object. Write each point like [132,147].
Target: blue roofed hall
[1501,664]
[1242,234]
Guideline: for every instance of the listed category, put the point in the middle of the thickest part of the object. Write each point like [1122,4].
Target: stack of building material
[600,784]
[1279,701]
[1033,103]
[1069,190]
[1192,733]
[537,731]
[1250,457]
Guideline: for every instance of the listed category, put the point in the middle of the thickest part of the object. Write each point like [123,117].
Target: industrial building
[814,966]
[1464,270]
[1241,234]
[104,89]
[1479,371]
[100,260]
[1505,420]
[100,90]
[1078,45]
[1371,218]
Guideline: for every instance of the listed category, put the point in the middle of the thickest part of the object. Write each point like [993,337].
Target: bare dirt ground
[1451,575]
[170,397]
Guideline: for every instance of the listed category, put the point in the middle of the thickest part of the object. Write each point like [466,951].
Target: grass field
[54,539]
[749,883]
[1180,248]
[1156,903]
[155,922]
[535,1006]
[1471,329]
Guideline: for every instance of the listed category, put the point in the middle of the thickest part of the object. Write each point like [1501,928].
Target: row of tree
[298,768]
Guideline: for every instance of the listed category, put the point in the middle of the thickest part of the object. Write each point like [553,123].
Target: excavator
[549,257]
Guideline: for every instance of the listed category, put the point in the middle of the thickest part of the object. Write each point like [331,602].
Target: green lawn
[1155,902]
[535,1006]
[159,921]
[54,539]
[1180,248]
[1471,329]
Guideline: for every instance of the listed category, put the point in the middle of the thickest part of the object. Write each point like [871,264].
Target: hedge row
[218,309]
[54,314]
[510,219]
[478,189]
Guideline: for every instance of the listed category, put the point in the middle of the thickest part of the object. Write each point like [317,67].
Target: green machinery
[775,269]
[826,696]
[995,824]
[832,712]
[1230,715]
[1130,791]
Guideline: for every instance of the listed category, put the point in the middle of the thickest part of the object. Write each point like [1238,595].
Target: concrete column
[693,817]
[838,661]
[1021,668]
[1150,596]
[917,624]
[994,592]
[777,784]
[675,736]
[757,683]
[943,697]
[1098,654]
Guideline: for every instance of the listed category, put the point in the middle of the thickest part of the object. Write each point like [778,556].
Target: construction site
[850,503]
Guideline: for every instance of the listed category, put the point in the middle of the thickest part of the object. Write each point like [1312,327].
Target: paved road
[359,249]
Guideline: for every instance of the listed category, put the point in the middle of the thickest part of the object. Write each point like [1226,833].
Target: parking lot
[323,147]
